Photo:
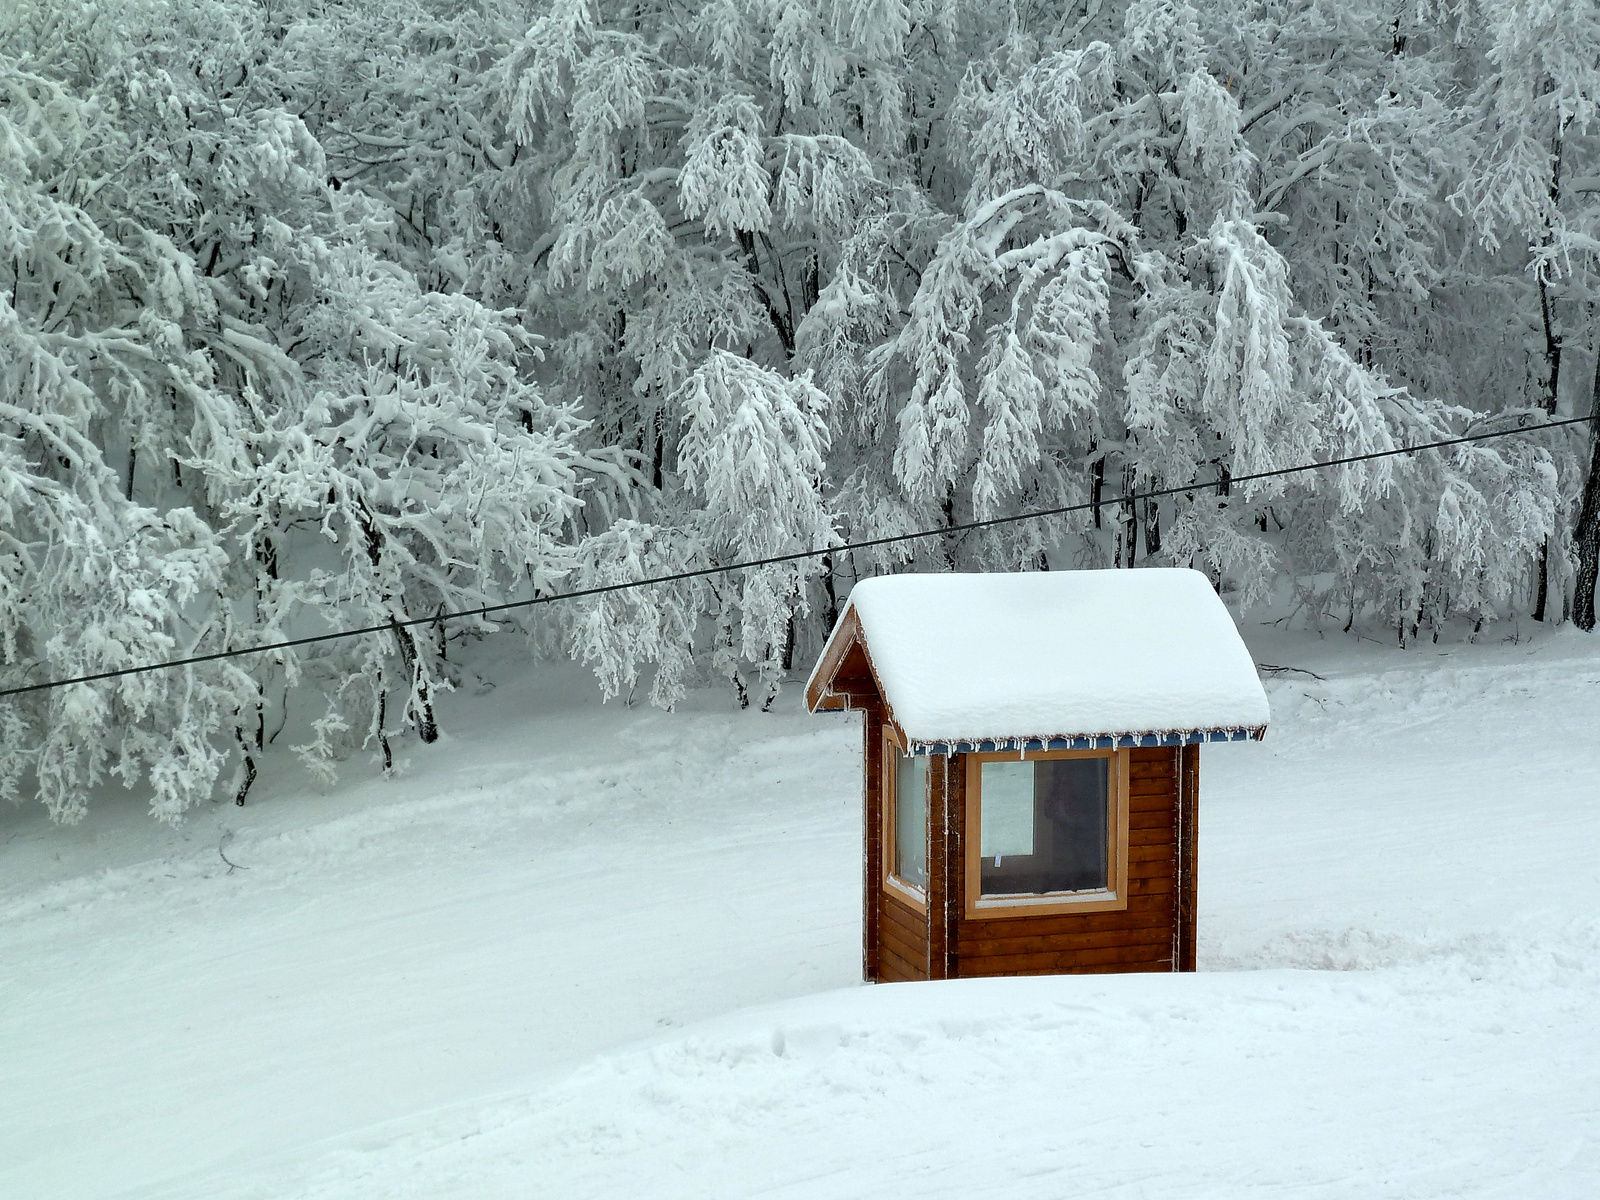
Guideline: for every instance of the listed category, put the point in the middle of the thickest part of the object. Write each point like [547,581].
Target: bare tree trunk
[421,691]
[729,663]
[1552,349]
[831,616]
[1543,595]
[787,659]
[1097,483]
[1130,513]
[1587,531]
[949,510]
[383,736]
[266,553]
[245,749]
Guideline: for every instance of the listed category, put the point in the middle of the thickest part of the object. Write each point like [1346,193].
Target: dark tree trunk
[245,741]
[832,614]
[383,735]
[1542,597]
[948,507]
[787,660]
[1552,331]
[249,777]
[422,694]
[1587,531]
[1097,483]
[658,453]
[1552,354]
[1130,515]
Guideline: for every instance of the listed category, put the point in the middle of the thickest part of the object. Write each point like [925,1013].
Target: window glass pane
[911,819]
[1006,814]
[1067,803]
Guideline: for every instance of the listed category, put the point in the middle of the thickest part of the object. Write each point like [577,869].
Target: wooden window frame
[1113,898]
[906,893]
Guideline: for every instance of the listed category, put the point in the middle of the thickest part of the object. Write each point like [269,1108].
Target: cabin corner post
[871,838]
[1188,855]
[955,905]
[939,842]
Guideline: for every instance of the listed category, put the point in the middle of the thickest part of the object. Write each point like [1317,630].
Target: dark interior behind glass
[1070,814]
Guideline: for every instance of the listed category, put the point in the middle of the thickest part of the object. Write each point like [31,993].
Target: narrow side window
[907,859]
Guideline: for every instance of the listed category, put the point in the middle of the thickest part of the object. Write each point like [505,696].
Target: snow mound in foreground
[1323,1084]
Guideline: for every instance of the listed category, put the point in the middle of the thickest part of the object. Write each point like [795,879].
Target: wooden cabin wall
[894,933]
[903,948]
[871,838]
[1155,933]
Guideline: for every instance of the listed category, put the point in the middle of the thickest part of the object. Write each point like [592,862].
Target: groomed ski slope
[592,951]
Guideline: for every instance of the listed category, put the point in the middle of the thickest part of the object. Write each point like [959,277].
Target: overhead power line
[774,560]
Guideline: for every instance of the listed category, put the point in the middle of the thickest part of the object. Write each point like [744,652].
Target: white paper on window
[1007,809]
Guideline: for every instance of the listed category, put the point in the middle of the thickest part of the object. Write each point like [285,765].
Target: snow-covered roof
[1140,657]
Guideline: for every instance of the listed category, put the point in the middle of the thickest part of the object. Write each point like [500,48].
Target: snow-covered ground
[586,951]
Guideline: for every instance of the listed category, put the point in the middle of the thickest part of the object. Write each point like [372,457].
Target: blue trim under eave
[1117,742]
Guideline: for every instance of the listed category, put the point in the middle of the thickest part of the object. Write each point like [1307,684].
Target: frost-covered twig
[1275,670]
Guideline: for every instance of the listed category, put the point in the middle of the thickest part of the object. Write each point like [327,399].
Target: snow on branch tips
[752,457]
[1049,296]
[723,181]
[318,316]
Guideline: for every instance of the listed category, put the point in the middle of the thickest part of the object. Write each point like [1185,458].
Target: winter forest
[326,313]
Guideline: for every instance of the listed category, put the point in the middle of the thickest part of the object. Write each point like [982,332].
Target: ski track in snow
[596,951]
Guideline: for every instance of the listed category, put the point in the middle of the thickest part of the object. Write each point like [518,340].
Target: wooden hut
[1032,764]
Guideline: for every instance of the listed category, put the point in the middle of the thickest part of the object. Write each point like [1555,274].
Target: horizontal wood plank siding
[894,969]
[1045,943]
[902,937]
[1151,956]
[1152,762]
[1060,924]
[909,946]
[1154,966]
[1147,821]
[1141,938]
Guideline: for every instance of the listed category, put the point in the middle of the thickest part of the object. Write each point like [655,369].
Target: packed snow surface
[602,952]
[969,658]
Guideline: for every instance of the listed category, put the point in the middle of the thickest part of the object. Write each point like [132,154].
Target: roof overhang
[983,641]
[1119,741]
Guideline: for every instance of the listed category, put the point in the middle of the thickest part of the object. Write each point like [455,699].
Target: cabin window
[1047,831]
[906,822]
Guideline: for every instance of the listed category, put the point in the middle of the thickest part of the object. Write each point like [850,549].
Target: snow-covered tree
[92,577]
[441,477]
[1113,302]
[316,315]
[752,459]
[215,346]
[1533,192]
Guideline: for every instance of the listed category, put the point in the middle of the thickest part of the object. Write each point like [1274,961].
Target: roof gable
[843,676]
[1046,657]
